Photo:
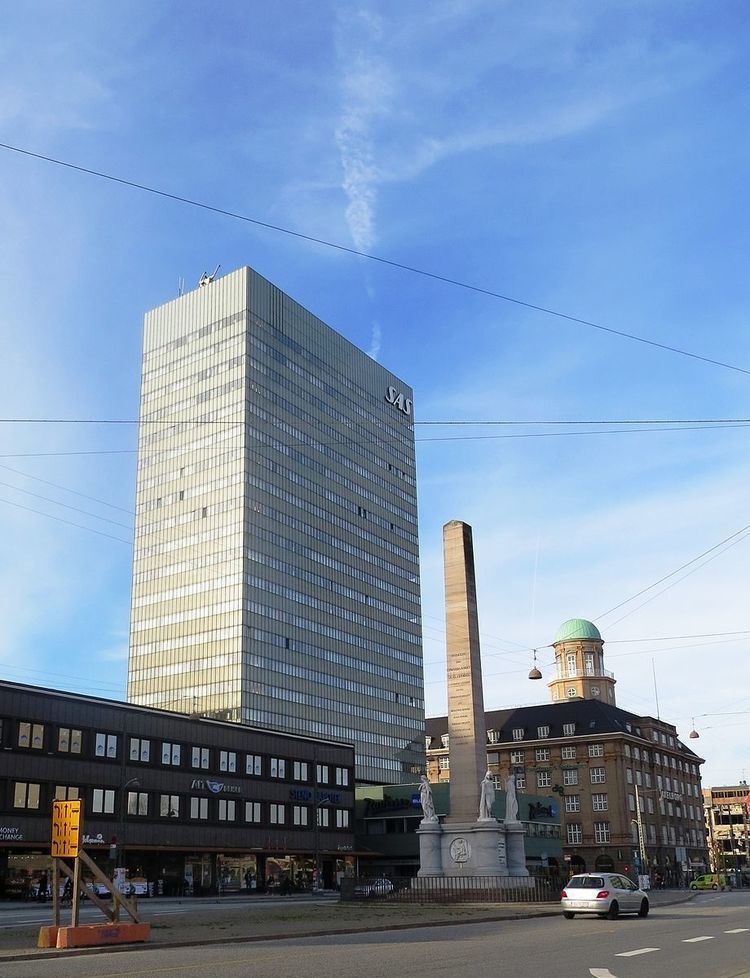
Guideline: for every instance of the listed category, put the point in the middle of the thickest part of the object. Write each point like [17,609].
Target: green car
[711,881]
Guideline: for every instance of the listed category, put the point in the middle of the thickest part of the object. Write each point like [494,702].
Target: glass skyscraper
[275,575]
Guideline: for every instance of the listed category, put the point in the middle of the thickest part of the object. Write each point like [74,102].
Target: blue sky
[591,158]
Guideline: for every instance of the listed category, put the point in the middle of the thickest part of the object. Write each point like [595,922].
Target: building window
[542,753]
[568,753]
[493,736]
[631,802]
[445,740]
[169,806]
[639,779]
[629,776]
[228,761]
[103,801]
[588,663]
[252,811]
[575,833]
[572,803]
[601,832]
[571,692]
[253,765]
[25,795]
[570,775]
[342,776]
[299,815]
[140,750]
[200,758]
[598,775]
[31,735]
[323,816]
[571,661]
[520,779]
[137,803]
[199,808]
[66,793]
[599,803]
[342,818]
[300,771]
[105,745]
[569,729]
[518,733]
[69,740]
[278,767]
[596,750]
[277,814]
[227,809]
[595,691]
[444,763]
[542,731]
[626,750]
[636,754]
[321,773]
[170,754]
[517,757]
[542,779]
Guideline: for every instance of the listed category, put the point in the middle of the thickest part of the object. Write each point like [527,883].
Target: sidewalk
[242,922]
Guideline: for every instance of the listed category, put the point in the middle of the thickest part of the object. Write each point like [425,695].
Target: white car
[373,888]
[604,894]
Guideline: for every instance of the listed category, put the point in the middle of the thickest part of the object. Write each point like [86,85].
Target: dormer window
[427,743]
[542,731]
[569,729]
[518,733]
[444,740]
[493,736]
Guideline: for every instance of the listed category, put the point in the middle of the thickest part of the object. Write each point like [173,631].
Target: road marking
[694,940]
[601,973]
[641,950]
[737,930]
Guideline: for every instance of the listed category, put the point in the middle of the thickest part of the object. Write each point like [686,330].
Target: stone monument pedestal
[514,836]
[465,849]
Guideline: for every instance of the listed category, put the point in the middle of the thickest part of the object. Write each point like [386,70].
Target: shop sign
[334,797]
[300,794]
[671,796]
[93,840]
[10,833]
[344,848]
[215,787]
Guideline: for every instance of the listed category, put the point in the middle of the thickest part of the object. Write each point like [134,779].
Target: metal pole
[641,843]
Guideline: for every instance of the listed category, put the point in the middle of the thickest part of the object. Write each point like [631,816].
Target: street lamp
[132,783]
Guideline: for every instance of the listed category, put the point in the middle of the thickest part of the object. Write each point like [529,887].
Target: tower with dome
[579,664]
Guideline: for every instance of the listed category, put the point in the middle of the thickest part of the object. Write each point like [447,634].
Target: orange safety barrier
[93,935]
[47,937]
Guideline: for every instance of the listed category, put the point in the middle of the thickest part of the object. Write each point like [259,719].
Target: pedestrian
[67,893]
[42,892]
[248,880]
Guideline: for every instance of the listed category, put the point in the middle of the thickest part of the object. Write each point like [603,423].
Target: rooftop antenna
[656,691]
[207,279]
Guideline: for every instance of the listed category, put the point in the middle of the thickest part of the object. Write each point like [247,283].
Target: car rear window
[585,883]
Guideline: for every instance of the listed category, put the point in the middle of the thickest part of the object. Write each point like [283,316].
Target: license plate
[578,903]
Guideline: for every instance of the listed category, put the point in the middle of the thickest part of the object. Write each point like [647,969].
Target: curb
[37,955]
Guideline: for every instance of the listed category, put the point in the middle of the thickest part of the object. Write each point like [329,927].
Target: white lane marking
[601,973]
[694,940]
[737,930]
[641,950]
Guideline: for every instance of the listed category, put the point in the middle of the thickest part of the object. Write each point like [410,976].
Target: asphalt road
[706,938]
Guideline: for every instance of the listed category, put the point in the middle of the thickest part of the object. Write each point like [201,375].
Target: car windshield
[585,883]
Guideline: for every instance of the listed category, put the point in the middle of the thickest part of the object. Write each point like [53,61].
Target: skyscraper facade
[275,575]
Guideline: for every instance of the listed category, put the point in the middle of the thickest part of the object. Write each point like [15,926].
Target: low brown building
[628,790]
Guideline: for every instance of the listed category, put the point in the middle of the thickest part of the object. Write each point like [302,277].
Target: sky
[590,159]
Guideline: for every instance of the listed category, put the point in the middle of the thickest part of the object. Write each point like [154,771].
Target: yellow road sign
[67,820]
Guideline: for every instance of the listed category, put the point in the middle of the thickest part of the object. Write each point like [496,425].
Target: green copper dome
[577,628]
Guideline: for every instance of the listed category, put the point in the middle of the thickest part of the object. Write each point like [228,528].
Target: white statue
[486,798]
[511,801]
[425,799]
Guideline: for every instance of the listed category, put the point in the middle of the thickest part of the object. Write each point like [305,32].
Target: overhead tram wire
[389,262]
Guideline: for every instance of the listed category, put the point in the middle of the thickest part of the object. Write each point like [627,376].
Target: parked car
[604,894]
[373,888]
[709,881]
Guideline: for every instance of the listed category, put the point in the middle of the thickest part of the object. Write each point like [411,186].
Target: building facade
[276,567]
[727,814]
[202,805]
[629,790]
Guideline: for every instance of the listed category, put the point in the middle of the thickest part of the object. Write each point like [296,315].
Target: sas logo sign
[401,402]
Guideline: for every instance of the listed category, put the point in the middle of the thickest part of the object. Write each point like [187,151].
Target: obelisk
[467,743]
